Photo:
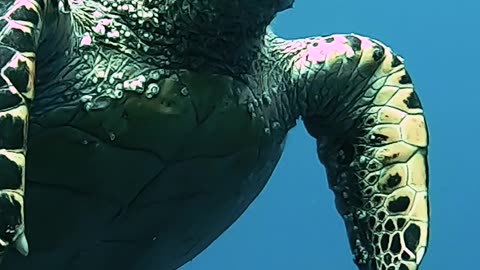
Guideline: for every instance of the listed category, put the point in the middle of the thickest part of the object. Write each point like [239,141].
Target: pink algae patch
[318,50]
[28,4]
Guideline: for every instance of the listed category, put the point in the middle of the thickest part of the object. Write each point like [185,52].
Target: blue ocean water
[293,223]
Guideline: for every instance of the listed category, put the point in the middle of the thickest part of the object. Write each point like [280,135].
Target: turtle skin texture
[133,133]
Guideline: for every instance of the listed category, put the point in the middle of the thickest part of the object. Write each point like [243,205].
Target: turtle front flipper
[20,23]
[371,134]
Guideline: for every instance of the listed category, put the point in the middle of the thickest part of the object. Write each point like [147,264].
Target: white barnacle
[266,99]
[86,98]
[363,160]
[152,90]
[361,251]
[149,14]
[118,94]
[251,108]
[88,106]
[101,88]
[361,214]
[155,75]
[184,91]
[112,136]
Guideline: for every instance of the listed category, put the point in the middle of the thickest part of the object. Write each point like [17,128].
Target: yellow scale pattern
[21,20]
[382,187]
[397,166]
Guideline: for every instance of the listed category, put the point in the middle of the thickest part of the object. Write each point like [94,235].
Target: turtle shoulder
[127,145]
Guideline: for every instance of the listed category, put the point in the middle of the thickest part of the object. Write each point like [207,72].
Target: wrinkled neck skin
[226,37]
[214,35]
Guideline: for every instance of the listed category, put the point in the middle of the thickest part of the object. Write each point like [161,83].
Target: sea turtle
[155,124]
